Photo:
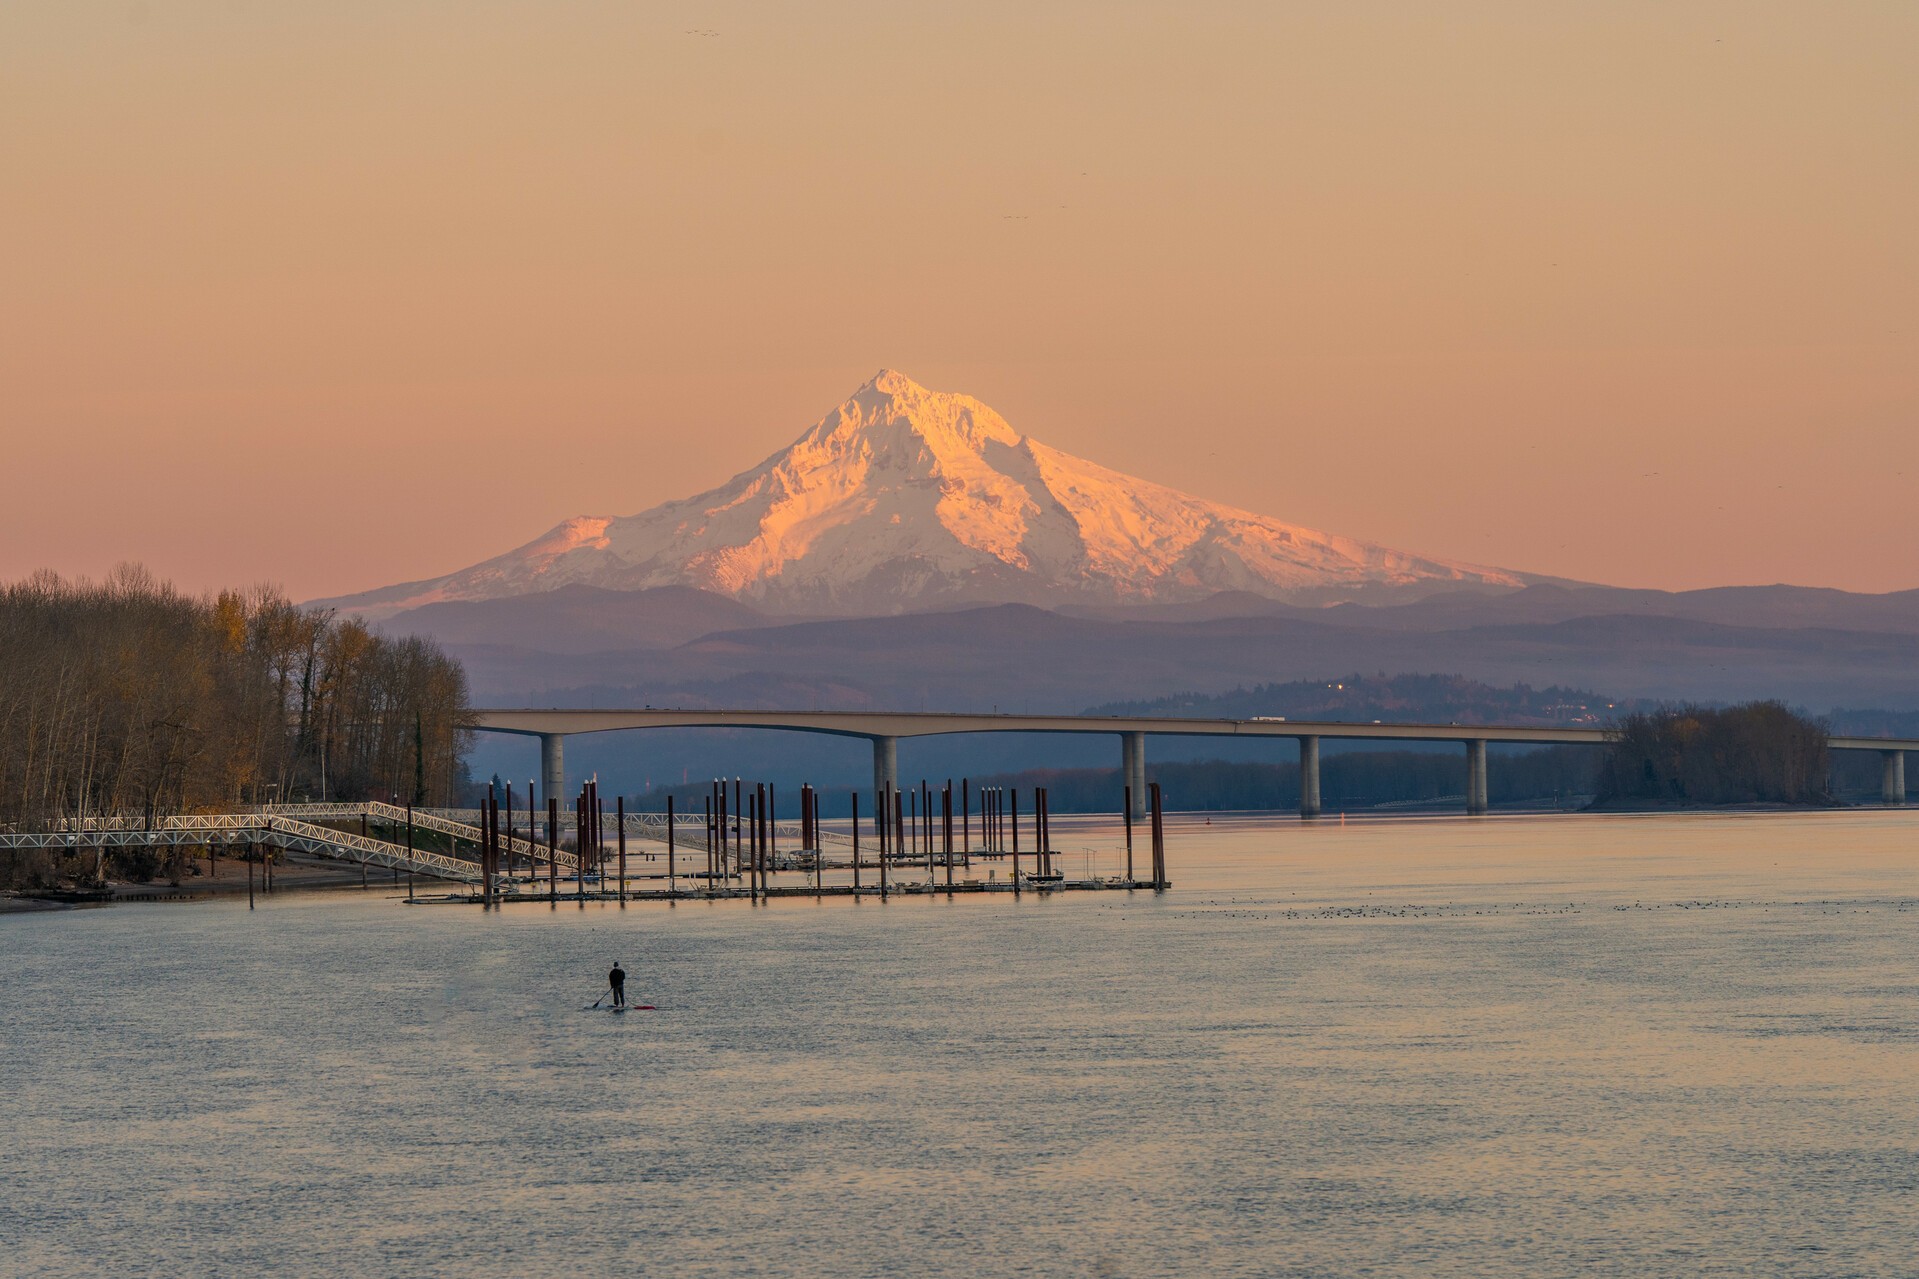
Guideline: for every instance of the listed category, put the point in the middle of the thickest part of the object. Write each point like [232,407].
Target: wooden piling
[1012,809]
[1126,811]
[1159,840]
[488,815]
[856,842]
[1042,832]
[923,828]
[966,823]
[619,816]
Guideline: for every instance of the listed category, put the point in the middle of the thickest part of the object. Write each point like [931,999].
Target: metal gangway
[459,823]
[274,829]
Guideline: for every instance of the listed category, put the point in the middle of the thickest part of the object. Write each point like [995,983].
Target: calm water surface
[1530,1046]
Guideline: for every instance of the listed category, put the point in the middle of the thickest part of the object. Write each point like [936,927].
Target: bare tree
[127,698]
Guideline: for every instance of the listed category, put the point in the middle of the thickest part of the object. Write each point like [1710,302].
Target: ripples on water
[1549,1046]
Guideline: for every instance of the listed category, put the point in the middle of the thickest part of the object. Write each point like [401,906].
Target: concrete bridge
[885,729]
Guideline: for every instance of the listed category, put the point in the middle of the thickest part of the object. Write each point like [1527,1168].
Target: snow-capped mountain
[904,498]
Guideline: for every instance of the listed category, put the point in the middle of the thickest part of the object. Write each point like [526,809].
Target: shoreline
[313,874]
[230,880]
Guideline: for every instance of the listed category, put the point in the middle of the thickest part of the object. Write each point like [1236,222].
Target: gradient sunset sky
[338,294]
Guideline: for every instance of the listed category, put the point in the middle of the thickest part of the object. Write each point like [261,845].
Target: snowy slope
[902,498]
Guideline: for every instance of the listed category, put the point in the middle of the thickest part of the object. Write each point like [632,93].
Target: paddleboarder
[617,979]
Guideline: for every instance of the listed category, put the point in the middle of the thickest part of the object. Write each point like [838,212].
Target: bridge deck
[880,724]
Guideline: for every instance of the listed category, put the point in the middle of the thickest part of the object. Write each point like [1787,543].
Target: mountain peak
[892,411]
[893,382]
[903,497]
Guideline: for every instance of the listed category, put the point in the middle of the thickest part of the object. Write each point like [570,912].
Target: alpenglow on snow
[903,497]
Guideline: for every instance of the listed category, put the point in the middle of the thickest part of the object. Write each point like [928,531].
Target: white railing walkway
[461,823]
[276,830]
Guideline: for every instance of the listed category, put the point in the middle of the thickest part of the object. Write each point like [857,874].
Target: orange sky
[341,294]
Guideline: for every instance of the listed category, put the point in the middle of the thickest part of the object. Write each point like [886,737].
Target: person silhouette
[617,979]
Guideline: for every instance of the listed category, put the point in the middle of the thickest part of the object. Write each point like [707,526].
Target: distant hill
[1404,699]
[1017,657]
[1546,603]
[578,619]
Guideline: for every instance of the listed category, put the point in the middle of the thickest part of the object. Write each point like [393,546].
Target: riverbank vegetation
[128,698]
[1756,753]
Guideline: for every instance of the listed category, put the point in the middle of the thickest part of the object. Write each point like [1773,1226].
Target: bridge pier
[1476,776]
[886,767]
[1132,768]
[553,765]
[1892,778]
[1309,776]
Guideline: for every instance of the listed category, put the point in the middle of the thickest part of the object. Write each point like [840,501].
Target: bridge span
[884,729]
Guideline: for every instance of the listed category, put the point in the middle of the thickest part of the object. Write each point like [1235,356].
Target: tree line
[128,698]
[1756,753]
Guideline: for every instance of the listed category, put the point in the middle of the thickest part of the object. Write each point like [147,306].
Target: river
[1566,1045]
